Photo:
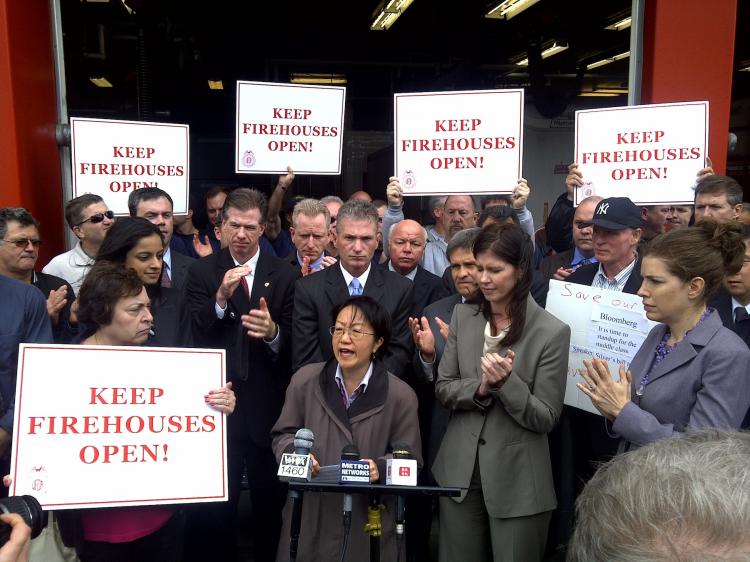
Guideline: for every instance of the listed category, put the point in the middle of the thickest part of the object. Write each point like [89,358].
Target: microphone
[400,452]
[303,442]
[348,453]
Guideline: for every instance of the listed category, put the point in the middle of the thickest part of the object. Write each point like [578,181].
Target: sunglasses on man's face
[23,243]
[98,217]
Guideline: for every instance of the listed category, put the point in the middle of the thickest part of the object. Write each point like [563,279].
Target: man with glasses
[240,299]
[19,251]
[89,218]
[156,206]
[356,238]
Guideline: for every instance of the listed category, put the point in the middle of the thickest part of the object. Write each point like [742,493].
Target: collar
[624,274]
[314,265]
[362,278]
[167,258]
[251,263]
[735,304]
[578,257]
[82,258]
[339,376]
[411,275]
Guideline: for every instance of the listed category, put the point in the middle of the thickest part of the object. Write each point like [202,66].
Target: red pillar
[688,55]
[29,159]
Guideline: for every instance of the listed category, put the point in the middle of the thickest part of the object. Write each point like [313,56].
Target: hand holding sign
[394,193]
[258,322]
[520,194]
[574,179]
[606,394]
[222,399]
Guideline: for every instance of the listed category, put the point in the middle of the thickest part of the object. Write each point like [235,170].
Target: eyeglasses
[98,217]
[354,333]
[22,243]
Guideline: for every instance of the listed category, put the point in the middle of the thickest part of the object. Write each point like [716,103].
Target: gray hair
[332,199]
[436,202]
[357,210]
[463,240]
[15,214]
[684,498]
[311,208]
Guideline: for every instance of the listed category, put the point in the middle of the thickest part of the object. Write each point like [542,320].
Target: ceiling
[160,57]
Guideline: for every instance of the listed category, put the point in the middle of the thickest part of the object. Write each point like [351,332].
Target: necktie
[165,280]
[245,288]
[355,288]
[585,261]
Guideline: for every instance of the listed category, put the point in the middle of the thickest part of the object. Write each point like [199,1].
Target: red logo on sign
[404,471]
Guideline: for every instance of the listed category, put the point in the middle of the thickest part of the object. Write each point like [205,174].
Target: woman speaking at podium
[502,376]
[351,399]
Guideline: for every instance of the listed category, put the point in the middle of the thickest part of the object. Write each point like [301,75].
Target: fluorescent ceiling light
[619,25]
[509,8]
[613,91]
[744,66]
[546,53]
[388,13]
[609,60]
[596,95]
[101,82]
[215,85]
[312,78]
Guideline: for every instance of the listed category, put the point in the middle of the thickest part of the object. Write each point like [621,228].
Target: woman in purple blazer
[691,372]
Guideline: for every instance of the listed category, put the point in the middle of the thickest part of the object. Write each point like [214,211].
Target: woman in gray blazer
[691,372]
[502,376]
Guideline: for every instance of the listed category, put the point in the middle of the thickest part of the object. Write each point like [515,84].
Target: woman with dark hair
[114,304]
[497,214]
[137,244]
[502,376]
[351,399]
[690,373]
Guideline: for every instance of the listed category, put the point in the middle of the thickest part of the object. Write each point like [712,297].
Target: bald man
[406,244]
[363,195]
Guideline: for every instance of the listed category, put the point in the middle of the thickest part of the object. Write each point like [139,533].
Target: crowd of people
[372,329]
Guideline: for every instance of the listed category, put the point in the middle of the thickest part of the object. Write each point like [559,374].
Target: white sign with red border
[649,153]
[280,125]
[103,426]
[458,142]
[113,158]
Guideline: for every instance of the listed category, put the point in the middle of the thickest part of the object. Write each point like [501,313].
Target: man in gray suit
[156,206]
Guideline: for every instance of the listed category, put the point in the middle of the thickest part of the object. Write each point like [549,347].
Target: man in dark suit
[310,226]
[240,299]
[559,266]
[406,243]
[580,442]
[356,238]
[19,251]
[156,206]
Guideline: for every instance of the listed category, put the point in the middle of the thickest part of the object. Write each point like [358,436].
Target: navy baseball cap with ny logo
[617,213]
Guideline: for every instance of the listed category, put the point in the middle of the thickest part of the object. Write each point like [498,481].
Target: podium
[374,491]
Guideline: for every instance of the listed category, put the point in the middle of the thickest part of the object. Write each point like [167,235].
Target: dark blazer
[428,288]
[171,326]
[585,274]
[63,331]
[722,302]
[255,371]
[180,266]
[702,384]
[437,415]
[552,263]
[315,296]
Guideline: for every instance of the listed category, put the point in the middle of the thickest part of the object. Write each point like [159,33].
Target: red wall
[688,55]
[29,161]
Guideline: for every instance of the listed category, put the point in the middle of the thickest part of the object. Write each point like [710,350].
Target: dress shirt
[361,389]
[578,257]
[411,275]
[348,276]
[735,304]
[601,281]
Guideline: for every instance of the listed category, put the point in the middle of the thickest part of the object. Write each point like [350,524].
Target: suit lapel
[238,299]
[686,349]
[335,286]
[375,283]
[634,280]
[262,280]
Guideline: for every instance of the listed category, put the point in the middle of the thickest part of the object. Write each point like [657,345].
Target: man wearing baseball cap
[617,231]
[580,442]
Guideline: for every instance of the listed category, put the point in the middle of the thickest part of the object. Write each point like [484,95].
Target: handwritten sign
[606,324]
[113,158]
[649,153]
[108,426]
[280,125]
[458,142]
